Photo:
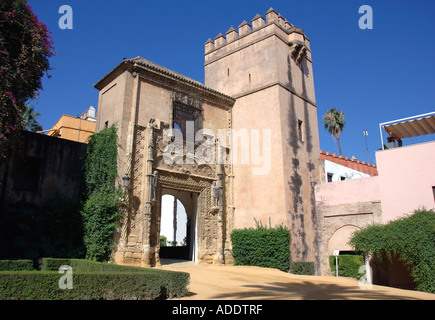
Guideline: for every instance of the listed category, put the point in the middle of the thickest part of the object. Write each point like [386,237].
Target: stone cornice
[282,85]
[167,78]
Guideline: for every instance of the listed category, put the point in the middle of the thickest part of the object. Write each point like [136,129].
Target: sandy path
[239,282]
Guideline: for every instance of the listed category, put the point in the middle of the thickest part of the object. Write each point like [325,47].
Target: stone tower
[266,66]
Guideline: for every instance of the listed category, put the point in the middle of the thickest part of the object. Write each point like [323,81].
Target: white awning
[420,125]
[412,128]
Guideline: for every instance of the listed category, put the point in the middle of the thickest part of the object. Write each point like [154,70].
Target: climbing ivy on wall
[412,238]
[100,198]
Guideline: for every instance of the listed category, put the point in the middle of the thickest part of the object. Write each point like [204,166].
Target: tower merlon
[281,21]
[231,34]
[274,23]
[244,28]
[209,45]
[271,16]
[219,40]
[257,22]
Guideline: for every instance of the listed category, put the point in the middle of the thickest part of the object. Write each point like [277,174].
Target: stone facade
[145,100]
[267,68]
[258,104]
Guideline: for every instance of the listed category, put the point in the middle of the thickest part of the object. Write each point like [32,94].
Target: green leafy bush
[302,268]
[412,238]
[100,214]
[92,281]
[16,265]
[348,265]
[101,200]
[262,247]
[163,241]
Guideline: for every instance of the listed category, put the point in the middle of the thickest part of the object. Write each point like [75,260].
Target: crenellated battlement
[289,32]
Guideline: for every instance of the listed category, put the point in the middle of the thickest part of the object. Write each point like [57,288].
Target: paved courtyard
[214,282]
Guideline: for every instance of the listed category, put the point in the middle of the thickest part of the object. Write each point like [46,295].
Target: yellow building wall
[72,128]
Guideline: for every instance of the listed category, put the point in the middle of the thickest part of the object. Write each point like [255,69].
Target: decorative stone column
[149,197]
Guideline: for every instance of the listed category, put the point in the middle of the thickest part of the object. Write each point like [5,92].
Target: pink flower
[11,96]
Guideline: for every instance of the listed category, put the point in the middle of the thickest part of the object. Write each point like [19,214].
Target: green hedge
[92,281]
[348,265]
[262,247]
[16,265]
[306,268]
[411,238]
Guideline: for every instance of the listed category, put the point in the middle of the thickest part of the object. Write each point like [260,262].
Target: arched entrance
[340,238]
[178,225]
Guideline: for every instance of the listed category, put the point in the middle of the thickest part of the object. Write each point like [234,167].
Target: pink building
[407,173]
[405,182]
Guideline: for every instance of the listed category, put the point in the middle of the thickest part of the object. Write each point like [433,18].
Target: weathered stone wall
[342,208]
[148,91]
[268,69]
[40,168]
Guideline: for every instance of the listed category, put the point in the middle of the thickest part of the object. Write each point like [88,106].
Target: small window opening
[329,177]
[106,124]
[300,130]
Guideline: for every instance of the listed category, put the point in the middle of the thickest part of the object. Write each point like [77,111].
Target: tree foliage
[25,49]
[334,122]
[412,238]
[29,119]
[101,200]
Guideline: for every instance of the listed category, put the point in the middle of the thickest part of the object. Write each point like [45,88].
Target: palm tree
[334,123]
[29,118]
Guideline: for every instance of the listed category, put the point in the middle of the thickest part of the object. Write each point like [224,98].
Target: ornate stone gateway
[152,173]
[168,126]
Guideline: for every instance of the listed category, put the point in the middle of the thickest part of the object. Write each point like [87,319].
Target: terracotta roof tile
[353,163]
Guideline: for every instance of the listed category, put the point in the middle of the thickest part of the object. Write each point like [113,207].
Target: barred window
[183,113]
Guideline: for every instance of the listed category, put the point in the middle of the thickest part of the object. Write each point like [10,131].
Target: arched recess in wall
[340,238]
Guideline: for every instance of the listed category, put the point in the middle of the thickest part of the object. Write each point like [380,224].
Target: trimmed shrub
[16,265]
[92,281]
[411,238]
[348,265]
[262,247]
[302,268]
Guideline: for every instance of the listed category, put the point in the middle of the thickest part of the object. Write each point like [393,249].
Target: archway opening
[340,240]
[177,225]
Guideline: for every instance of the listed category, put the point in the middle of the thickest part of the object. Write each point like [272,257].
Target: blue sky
[373,76]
